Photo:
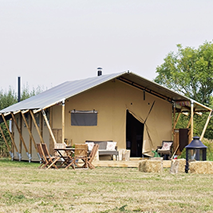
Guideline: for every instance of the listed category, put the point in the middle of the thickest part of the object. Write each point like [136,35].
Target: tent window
[84,118]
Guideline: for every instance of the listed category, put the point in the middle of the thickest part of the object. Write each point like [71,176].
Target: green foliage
[26,93]
[189,72]
[8,98]
[183,154]
[209,151]
[155,153]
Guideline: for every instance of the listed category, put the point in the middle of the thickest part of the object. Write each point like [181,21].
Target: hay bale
[142,166]
[181,165]
[201,167]
[151,166]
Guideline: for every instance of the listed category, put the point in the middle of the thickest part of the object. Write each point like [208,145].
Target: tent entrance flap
[134,135]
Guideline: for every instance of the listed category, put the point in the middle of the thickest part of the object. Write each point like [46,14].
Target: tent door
[134,135]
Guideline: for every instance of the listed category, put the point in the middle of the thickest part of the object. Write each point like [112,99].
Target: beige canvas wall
[56,116]
[26,137]
[111,100]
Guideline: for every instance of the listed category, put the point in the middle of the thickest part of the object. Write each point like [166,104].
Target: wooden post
[192,116]
[22,139]
[9,150]
[12,146]
[174,111]
[177,119]
[41,125]
[30,131]
[48,126]
[13,142]
[188,123]
[207,121]
[20,133]
[37,128]
[31,138]
[63,119]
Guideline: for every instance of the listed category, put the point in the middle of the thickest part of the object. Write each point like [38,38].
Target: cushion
[111,145]
[102,145]
[90,145]
[166,146]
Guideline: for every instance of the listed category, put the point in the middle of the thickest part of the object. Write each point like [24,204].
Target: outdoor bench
[105,147]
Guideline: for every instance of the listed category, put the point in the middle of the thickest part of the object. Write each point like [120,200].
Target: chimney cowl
[99,71]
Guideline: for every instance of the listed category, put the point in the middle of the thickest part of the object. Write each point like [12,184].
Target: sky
[48,42]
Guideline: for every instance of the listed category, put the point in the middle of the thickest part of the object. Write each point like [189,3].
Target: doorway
[134,135]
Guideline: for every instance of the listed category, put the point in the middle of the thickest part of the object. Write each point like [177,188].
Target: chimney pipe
[19,89]
[99,71]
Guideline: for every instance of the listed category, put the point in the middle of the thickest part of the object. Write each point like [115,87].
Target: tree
[189,72]
[6,99]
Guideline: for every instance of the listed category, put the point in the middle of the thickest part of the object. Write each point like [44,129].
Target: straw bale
[201,167]
[151,166]
[181,165]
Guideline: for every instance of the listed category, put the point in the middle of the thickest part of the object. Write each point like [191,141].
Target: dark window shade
[83,119]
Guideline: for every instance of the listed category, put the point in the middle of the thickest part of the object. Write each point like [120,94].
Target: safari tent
[136,113]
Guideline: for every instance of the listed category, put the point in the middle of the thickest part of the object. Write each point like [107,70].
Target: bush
[209,151]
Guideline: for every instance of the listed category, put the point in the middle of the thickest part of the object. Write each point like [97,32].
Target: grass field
[25,188]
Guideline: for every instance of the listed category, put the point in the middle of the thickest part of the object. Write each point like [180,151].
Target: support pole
[37,128]
[9,150]
[63,119]
[174,111]
[207,122]
[22,139]
[177,119]
[192,117]
[48,126]
[31,136]
[11,137]
[188,123]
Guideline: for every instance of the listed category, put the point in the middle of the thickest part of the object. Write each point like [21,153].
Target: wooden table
[68,159]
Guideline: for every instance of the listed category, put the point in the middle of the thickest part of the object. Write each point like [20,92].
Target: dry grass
[24,188]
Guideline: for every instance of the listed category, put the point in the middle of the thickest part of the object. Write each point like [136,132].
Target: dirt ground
[25,188]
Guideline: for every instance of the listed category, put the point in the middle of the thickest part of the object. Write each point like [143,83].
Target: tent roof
[71,88]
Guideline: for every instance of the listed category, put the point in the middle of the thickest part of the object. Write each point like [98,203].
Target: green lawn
[25,188]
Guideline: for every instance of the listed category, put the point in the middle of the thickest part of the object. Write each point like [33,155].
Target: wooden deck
[132,163]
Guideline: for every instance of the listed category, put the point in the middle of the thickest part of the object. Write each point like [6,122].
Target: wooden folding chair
[47,159]
[42,159]
[80,154]
[61,157]
[92,156]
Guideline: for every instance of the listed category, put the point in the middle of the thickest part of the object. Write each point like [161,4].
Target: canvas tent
[117,107]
